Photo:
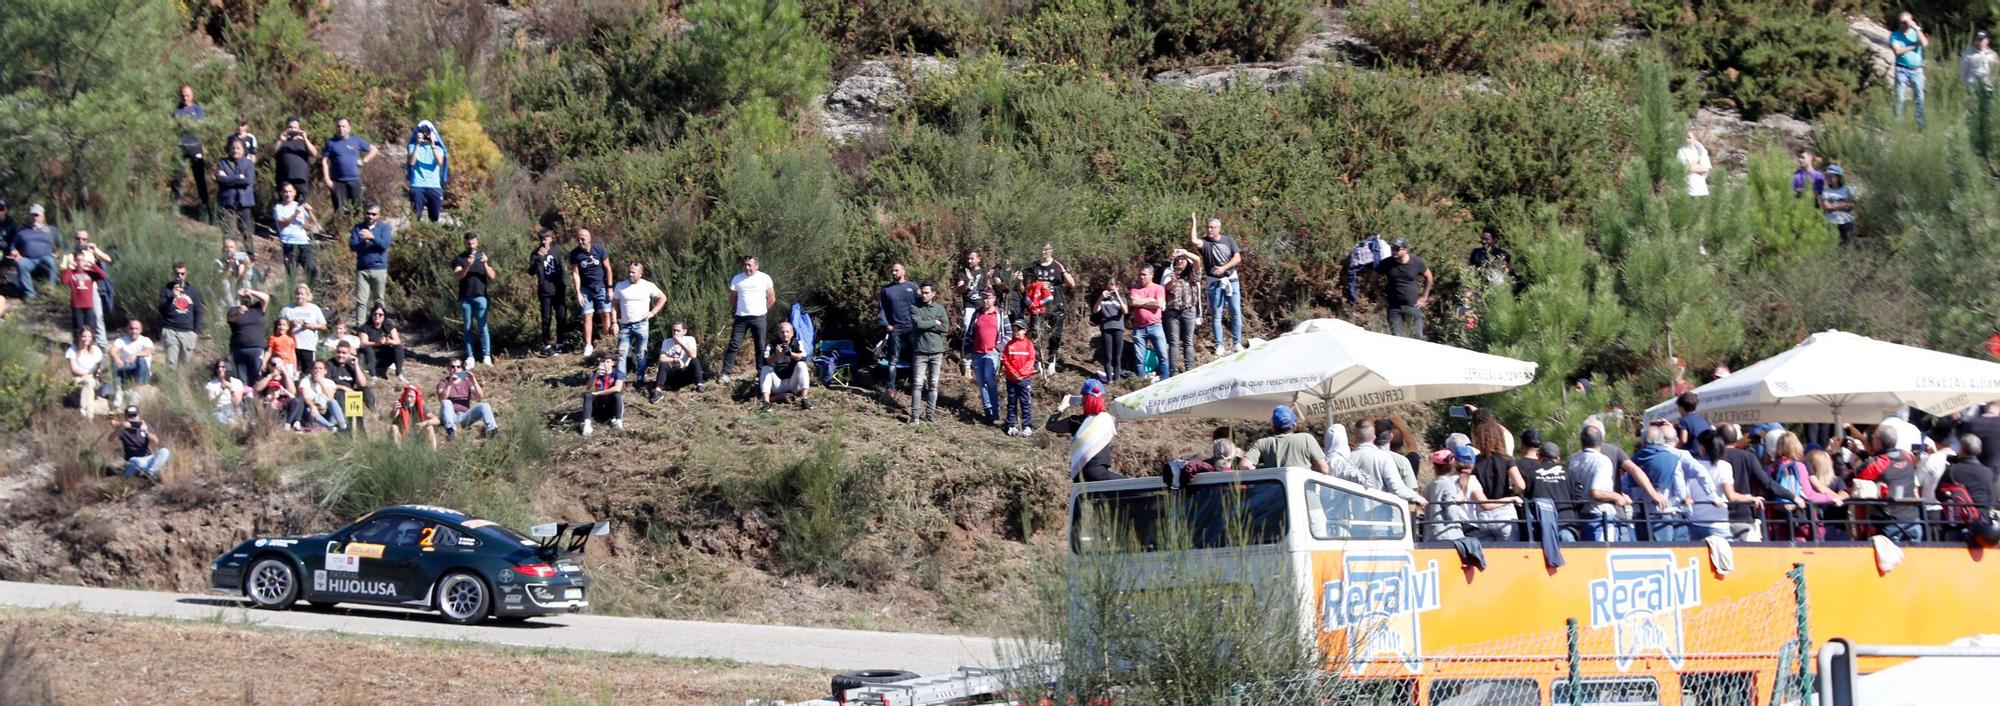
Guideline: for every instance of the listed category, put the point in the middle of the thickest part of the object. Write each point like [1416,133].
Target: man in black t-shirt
[1220,256]
[1407,283]
[143,454]
[1551,481]
[590,268]
[547,267]
[473,270]
[247,334]
[295,155]
[1986,426]
[1748,477]
[1045,303]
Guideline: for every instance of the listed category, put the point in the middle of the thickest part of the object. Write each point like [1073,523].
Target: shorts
[597,303]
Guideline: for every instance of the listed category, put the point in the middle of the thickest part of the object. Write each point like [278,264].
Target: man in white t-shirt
[752,294]
[132,356]
[1693,156]
[638,302]
[308,320]
[1594,470]
[679,359]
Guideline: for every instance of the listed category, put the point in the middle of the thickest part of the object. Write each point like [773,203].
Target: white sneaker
[586,427]
[488,362]
[1013,431]
[471,363]
[618,423]
[589,351]
[1027,432]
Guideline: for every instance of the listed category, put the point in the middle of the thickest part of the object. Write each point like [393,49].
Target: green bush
[1449,35]
[1224,31]
[1763,56]
[26,390]
[741,50]
[818,509]
[861,28]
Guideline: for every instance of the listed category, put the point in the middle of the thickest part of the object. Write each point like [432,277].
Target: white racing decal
[344,563]
[351,585]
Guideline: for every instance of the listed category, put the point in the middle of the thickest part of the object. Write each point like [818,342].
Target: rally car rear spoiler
[565,538]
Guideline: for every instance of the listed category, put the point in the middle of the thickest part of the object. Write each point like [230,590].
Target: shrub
[859,28]
[1224,31]
[820,520]
[26,390]
[1764,56]
[1448,35]
[745,49]
[1104,35]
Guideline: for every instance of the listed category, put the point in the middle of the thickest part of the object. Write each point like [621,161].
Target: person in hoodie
[180,316]
[236,179]
[929,322]
[427,170]
[1017,360]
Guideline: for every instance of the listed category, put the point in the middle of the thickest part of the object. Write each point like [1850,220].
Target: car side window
[442,536]
[380,530]
[411,532]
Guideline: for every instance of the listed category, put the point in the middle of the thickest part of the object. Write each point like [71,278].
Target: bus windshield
[1195,517]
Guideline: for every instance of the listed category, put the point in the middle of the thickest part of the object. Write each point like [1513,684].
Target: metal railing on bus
[1903,521]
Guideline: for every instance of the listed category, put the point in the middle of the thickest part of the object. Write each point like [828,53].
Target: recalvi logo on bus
[1377,601]
[1641,599]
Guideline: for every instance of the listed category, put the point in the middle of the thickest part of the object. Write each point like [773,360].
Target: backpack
[1368,252]
[1958,505]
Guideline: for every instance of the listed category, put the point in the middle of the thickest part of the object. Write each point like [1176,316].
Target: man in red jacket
[1017,360]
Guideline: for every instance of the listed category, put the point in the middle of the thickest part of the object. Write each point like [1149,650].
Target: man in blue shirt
[1908,42]
[237,177]
[370,242]
[427,169]
[341,168]
[892,310]
[186,113]
[33,248]
[1663,466]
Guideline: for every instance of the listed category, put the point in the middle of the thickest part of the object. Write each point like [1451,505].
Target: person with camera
[547,267]
[246,333]
[370,241]
[426,164]
[143,454]
[340,168]
[187,114]
[1044,304]
[295,154]
[680,360]
[180,311]
[296,220]
[1110,314]
[462,400]
[1908,43]
[474,271]
[785,372]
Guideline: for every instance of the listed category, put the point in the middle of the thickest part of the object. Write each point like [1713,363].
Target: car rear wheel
[273,584]
[463,599]
[864,677]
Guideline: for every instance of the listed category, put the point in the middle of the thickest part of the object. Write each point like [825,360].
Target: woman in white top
[1712,486]
[227,393]
[296,221]
[86,369]
[1694,157]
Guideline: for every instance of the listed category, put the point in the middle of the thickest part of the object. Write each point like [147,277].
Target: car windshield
[1197,517]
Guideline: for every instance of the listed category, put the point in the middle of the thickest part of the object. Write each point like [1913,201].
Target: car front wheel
[273,584]
[463,599]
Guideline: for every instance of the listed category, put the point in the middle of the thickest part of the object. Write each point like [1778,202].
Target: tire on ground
[276,591]
[857,678]
[445,589]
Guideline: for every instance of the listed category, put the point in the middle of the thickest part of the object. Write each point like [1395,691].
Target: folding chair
[833,362]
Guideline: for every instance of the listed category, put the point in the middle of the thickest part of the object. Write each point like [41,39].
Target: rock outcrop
[861,101]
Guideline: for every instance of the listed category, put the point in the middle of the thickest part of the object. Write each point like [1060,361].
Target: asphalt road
[820,648]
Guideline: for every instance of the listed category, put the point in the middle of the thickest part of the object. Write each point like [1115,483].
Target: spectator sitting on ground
[1018,363]
[348,372]
[785,373]
[461,399]
[33,249]
[227,393]
[381,344]
[412,414]
[235,266]
[278,392]
[86,371]
[929,322]
[322,397]
[604,396]
[80,276]
[180,313]
[680,362]
[141,447]
[132,356]
[1287,447]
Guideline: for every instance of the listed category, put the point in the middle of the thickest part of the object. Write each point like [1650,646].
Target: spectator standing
[638,302]
[1492,262]
[370,240]
[892,311]
[340,168]
[180,312]
[1967,472]
[1093,436]
[84,249]
[1408,289]
[227,392]
[974,280]
[680,360]
[1837,200]
[245,136]
[1976,67]
[1806,176]
[236,182]
[751,296]
[426,165]
[1591,468]
[1499,478]
[1665,468]
[308,321]
[1377,466]
[296,220]
[80,276]
[1691,424]
[1109,313]
[1045,288]
[1149,302]
[281,348]
[604,396]
[1748,476]
[33,249]
[474,271]
[930,322]
[86,371]
[1693,156]
[1894,469]
[187,114]
[1549,480]
[132,356]
[983,338]
[590,274]
[1908,43]
[547,267]
[1986,426]
[1220,256]
[294,156]
[246,333]
[1018,364]
[1711,488]
[381,343]
[1183,312]
[785,372]
[463,400]
[1287,447]
[141,447]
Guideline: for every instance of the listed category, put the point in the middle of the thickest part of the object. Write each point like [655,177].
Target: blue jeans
[1152,338]
[1021,400]
[426,202]
[452,418]
[148,466]
[1608,528]
[24,273]
[1903,531]
[1907,80]
[632,341]
[983,368]
[1226,290]
[332,415]
[1667,528]
[473,312]
[1407,321]
[140,372]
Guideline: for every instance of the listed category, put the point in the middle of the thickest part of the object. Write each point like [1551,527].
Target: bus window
[1485,692]
[1333,513]
[1634,691]
[1196,517]
[1718,689]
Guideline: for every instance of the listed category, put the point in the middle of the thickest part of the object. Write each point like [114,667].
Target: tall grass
[496,478]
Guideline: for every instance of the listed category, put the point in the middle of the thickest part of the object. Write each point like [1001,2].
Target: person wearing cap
[1837,200]
[1456,497]
[426,164]
[294,155]
[1287,447]
[1092,434]
[143,454]
[33,249]
[474,271]
[1908,43]
[340,169]
[1548,480]
[1975,68]
[1408,289]
[1220,258]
